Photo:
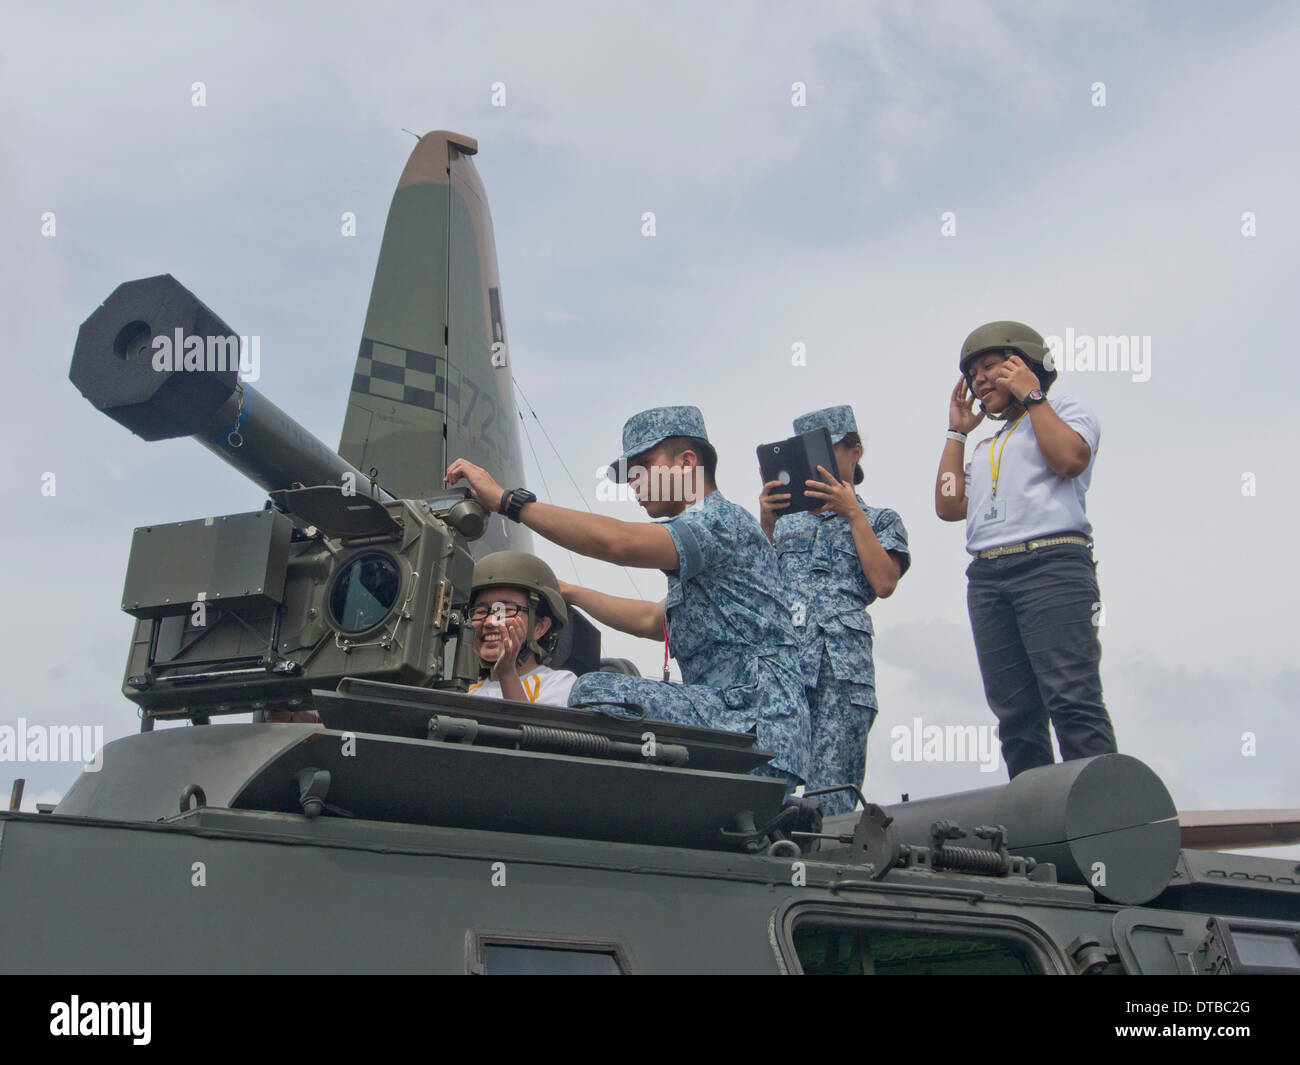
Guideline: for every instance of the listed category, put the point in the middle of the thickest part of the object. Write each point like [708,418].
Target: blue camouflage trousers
[842,714]
[681,704]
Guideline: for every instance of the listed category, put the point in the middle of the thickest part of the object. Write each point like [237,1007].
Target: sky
[868,181]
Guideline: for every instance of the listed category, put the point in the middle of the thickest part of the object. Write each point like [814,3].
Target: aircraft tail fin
[433,377]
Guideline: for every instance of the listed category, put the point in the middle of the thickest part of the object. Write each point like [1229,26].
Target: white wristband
[954,435]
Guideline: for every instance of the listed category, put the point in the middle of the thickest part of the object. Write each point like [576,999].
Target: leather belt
[1032,545]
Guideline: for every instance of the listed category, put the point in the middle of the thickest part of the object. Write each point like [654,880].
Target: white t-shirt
[1032,500]
[542,684]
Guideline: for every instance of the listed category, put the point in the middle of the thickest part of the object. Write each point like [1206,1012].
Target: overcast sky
[776,225]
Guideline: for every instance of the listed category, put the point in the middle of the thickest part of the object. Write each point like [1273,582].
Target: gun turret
[157,360]
[254,611]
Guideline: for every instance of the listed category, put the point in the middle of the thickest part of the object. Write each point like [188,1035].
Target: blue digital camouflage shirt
[729,627]
[827,592]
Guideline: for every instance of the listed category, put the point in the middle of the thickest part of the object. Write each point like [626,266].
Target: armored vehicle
[374,817]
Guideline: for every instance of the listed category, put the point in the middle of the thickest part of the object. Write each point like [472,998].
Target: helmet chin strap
[1006,412]
[539,652]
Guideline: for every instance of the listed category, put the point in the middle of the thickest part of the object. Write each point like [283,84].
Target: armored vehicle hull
[533,839]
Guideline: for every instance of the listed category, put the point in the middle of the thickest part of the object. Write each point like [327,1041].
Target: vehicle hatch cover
[337,514]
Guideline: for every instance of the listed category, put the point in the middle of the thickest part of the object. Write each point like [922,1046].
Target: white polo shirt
[1032,501]
[542,684]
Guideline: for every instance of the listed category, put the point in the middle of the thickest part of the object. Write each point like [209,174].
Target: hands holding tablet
[770,505]
[835,495]
[839,495]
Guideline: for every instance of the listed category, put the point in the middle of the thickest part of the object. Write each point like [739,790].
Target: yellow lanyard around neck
[996,464]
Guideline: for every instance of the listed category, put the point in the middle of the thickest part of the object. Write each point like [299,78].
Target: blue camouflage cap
[839,420]
[643,431]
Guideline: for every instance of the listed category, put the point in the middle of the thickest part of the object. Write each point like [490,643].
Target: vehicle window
[1273,951]
[827,949]
[500,959]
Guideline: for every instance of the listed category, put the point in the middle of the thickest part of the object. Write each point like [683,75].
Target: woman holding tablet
[835,562]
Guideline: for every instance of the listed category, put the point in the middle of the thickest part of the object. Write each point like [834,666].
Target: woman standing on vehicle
[1032,584]
[835,562]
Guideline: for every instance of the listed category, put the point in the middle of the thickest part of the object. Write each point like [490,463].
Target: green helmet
[999,336]
[1004,338]
[518,569]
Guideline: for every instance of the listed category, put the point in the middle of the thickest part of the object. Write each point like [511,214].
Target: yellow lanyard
[996,465]
[532,685]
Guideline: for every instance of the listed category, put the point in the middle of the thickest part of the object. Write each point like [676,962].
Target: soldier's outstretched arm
[633,616]
[624,543]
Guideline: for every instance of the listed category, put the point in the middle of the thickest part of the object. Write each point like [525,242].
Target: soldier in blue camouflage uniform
[725,617]
[835,562]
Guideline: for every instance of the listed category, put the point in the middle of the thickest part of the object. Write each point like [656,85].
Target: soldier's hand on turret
[961,414]
[481,485]
[770,505]
[1019,378]
[838,495]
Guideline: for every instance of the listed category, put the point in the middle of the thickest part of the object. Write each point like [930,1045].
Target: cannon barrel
[155,359]
[1105,821]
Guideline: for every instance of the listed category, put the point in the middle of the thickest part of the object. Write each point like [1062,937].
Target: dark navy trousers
[1034,617]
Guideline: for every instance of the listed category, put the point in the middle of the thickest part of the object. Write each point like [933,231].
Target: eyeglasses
[501,610]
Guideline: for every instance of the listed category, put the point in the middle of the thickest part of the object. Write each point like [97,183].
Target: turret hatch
[336,514]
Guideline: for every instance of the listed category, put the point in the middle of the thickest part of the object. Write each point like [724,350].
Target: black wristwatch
[1036,396]
[512,502]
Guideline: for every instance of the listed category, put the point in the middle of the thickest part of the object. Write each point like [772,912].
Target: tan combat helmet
[530,574]
[1005,338]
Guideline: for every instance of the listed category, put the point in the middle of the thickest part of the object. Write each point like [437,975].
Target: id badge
[994,513]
